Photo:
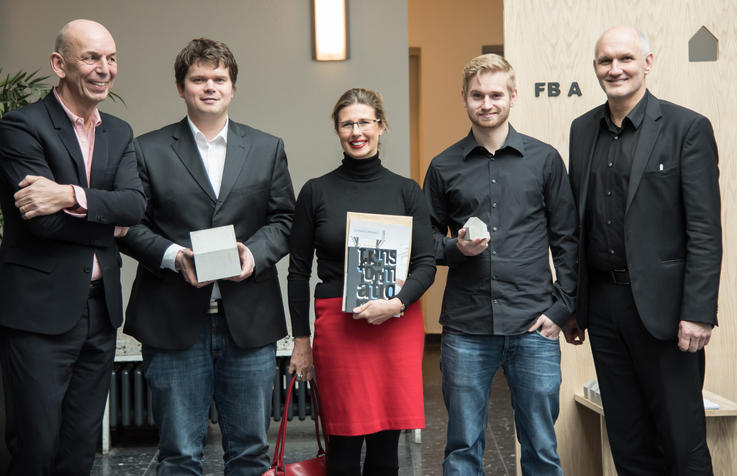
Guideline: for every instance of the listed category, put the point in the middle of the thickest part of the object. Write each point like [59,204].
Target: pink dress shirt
[86,140]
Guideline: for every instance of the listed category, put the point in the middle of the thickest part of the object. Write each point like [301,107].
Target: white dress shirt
[212,153]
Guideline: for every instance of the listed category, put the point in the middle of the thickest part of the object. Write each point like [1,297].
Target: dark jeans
[531,364]
[183,384]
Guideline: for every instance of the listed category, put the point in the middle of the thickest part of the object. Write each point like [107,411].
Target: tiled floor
[135,454]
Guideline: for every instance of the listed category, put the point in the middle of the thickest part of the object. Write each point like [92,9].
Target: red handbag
[316,466]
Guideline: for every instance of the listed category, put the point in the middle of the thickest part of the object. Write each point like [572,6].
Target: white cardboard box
[215,253]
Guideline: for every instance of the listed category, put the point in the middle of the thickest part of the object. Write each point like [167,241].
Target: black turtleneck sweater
[358,185]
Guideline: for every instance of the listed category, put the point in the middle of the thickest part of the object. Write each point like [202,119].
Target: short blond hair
[489,63]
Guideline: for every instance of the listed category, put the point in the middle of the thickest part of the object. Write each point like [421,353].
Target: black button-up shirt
[523,195]
[610,176]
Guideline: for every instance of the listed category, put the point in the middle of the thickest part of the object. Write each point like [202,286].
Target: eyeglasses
[363,125]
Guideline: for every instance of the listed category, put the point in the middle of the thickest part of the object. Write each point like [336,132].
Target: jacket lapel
[186,149]
[235,157]
[100,153]
[648,136]
[65,129]
[589,145]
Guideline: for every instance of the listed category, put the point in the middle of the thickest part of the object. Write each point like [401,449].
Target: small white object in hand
[475,228]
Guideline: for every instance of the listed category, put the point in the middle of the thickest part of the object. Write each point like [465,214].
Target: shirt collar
[199,136]
[513,142]
[96,119]
[635,116]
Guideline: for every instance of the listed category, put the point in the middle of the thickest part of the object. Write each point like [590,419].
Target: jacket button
[87,268]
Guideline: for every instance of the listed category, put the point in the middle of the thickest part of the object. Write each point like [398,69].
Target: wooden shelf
[590,404]
[727,408]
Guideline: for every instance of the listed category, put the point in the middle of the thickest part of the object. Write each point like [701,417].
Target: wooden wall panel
[553,40]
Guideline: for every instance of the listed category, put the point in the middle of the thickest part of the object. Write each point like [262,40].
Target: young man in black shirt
[501,307]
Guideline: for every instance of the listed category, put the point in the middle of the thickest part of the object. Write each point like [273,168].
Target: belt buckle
[214,308]
[616,274]
[96,289]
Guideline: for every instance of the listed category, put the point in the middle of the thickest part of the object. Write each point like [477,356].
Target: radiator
[130,398]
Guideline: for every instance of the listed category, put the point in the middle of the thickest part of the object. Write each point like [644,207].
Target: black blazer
[256,197]
[46,262]
[673,238]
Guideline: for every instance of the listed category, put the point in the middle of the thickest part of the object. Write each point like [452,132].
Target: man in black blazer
[68,184]
[209,339]
[645,176]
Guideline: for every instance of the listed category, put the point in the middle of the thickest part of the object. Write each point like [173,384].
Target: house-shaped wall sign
[703,46]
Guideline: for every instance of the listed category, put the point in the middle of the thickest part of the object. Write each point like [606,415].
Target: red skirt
[370,377]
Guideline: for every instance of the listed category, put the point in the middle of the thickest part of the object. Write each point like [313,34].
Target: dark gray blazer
[673,238]
[46,262]
[256,197]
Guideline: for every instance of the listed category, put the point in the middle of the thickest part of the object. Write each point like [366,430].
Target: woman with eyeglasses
[368,364]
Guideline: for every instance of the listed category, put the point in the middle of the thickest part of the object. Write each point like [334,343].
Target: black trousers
[650,390]
[55,389]
[382,459]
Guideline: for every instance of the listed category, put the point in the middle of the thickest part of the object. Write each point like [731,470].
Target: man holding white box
[214,338]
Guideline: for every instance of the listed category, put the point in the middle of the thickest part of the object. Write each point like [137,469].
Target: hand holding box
[215,253]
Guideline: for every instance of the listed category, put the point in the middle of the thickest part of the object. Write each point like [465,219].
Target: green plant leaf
[20,89]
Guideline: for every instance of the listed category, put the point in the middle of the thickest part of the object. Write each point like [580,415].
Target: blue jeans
[531,365]
[183,383]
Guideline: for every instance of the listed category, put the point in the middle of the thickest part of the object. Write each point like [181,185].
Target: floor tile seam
[499,453]
[151,464]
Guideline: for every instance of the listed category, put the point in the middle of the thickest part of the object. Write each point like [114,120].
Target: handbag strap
[278,461]
[316,402]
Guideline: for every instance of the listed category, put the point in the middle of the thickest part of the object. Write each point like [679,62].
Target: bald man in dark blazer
[645,176]
[68,185]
